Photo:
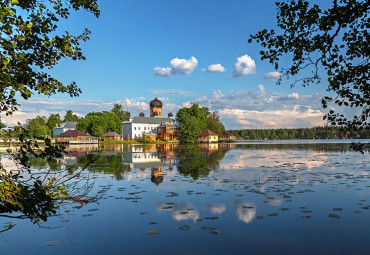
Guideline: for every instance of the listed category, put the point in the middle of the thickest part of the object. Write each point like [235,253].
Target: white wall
[136,130]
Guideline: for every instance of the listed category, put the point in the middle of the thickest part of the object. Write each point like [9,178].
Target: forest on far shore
[301,133]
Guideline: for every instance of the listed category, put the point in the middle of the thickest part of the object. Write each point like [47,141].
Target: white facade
[136,130]
[137,126]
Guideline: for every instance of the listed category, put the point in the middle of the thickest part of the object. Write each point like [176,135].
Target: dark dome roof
[141,114]
[156,103]
[157,180]
[155,113]
[170,115]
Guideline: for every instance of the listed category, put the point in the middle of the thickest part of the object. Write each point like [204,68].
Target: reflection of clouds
[179,211]
[217,208]
[161,207]
[9,165]
[138,174]
[274,158]
[244,211]
[275,202]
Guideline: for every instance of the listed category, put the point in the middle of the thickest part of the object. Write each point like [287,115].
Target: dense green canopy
[194,119]
[30,44]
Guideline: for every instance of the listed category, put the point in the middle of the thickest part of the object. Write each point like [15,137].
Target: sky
[189,52]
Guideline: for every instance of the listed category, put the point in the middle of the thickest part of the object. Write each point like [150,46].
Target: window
[144,128]
[134,128]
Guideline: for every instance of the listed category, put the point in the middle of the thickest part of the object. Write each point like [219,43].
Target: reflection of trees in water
[196,161]
[107,164]
[320,147]
[36,193]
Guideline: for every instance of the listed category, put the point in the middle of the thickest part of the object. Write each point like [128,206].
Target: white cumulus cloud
[272,76]
[163,71]
[178,65]
[244,65]
[184,66]
[293,95]
[216,68]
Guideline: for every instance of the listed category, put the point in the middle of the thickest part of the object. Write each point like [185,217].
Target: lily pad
[216,232]
[337,209]
[211,218]
[334,216]
[208,228]
[153,232]
[184,227]
[284,209]
[52,243]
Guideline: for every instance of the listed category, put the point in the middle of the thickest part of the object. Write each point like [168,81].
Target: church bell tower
[156,107]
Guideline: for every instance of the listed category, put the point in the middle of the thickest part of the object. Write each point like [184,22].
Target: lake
[260,197]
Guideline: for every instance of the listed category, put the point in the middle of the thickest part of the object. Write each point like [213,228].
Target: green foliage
[194,119]
[213,122]
[53,121]
[34,202]
[195,162]
[122,115]
[98,123]
[2,125]
[70,116]
[336,41]
[301,133]
[37,127]
[38,196]
[30,43]
[108,164]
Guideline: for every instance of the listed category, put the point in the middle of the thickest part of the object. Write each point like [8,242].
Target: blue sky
[137,47]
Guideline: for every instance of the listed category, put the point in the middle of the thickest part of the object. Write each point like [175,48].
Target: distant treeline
[301,133]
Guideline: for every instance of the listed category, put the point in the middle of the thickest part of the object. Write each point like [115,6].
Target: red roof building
[76,137]
[207,136]
[227,137]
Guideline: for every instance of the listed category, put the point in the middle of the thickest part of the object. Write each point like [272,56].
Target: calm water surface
[242,198]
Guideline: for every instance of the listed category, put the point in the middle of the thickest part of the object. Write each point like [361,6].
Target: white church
[137,126]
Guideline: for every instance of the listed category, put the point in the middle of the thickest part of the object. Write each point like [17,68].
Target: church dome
[157,180]
[141,114]
[156,103]
[170,115]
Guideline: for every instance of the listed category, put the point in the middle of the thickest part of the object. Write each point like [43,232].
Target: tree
[98,123]
[37,128]
[336,41]
[53,121]
[122,115]
[2,125]
[30,43]
[213,122]
[193,121]
[70,116]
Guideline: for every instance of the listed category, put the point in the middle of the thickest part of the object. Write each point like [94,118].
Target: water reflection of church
[157,158]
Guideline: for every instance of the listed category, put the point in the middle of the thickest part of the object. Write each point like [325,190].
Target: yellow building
[207,136]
